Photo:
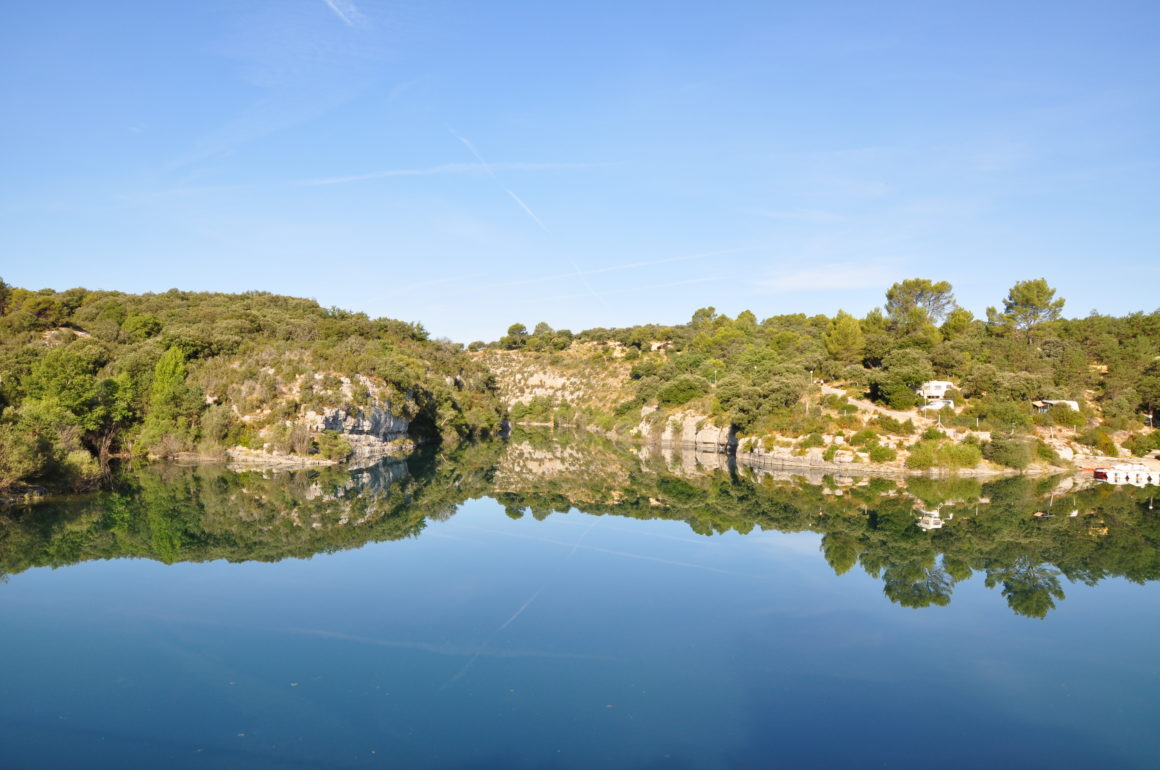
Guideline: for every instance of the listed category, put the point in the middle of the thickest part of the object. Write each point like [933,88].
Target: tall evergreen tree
[844,339]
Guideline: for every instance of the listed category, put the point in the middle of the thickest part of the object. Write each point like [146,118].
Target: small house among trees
[1044,406]
[935,389]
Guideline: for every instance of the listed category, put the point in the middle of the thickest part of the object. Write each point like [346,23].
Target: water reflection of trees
[1083,534]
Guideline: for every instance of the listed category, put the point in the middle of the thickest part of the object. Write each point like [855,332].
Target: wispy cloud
[811,216]
[838,275]
[643,287]
[475,280]
[454,168]
[346,11]
[617,268]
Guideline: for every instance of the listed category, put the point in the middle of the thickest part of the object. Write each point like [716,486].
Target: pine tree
[844,339]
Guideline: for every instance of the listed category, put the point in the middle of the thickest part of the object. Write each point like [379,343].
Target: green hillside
[88,376]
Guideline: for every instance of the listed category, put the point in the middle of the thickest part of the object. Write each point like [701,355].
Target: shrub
[882,454]
[23,454]
[923,455]
[1009,451]
[1000,415]
[682,390]
[896,427]
[838,403]
[1099,439]
[1143,443]
[332,446]
[1047,454]
[1063,415]
[812,440]
[940,454]
[955,456]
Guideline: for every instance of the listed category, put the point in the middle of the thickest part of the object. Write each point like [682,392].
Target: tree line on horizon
[754,374]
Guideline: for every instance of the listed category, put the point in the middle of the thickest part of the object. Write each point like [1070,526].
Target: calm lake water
[466,612]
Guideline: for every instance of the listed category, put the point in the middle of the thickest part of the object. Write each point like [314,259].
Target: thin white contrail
[580,539]
[475,152]
[520,611]
[483,648]
[491,172]
[527,210]
[345,11]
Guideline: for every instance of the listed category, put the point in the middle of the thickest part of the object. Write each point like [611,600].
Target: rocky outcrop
[686,429]
[373,433]
[374,421]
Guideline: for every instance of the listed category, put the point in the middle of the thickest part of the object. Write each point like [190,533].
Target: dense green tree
[1149,388]
[516,337]
[24,453]
[682,390]
[903,371]
[957,323]
[844,339]
[1028,305]
[918,300]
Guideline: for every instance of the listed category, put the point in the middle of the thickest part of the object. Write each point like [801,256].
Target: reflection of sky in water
[567,642]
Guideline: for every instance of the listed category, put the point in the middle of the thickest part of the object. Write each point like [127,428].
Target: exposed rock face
[374,421]
[688,430]
[373,433]
[580,376]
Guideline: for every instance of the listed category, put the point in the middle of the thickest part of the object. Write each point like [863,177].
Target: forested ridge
[90,376]
[761,376]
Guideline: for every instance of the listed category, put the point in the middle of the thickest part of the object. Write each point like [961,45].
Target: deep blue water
[575,641]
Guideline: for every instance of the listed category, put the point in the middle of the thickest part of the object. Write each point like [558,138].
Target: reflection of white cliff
[372,480]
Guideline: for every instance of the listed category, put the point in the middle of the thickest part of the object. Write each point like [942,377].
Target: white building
[1047,403]
[1136,474]
[931,519]
[935,389]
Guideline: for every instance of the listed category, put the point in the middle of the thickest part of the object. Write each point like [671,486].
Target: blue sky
[469,165]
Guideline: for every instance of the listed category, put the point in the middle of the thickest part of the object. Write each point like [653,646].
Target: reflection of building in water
[1128,473]
[932,519]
